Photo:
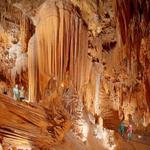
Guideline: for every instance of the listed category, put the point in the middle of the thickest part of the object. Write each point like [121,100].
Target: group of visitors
[18,94]
[129,130]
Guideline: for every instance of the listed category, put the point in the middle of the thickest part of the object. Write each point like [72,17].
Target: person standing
[122,129]
[16,93]
[129,132]
[22,92]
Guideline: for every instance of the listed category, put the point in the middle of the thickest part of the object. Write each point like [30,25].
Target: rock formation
[85,68]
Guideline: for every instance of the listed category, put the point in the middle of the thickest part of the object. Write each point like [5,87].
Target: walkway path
[136,143]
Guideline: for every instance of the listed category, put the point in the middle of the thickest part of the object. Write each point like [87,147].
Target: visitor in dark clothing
[122,129]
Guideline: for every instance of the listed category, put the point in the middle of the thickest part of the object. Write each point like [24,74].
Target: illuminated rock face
[133,24]
[90,57]
[61,50]
[16,30]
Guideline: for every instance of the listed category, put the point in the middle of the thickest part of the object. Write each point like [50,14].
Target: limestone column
[33,70]
[61,52]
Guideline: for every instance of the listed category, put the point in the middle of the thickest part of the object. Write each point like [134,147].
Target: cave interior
[85,69]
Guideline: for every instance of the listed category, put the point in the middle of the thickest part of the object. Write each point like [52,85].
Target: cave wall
[16,30]
[133,24]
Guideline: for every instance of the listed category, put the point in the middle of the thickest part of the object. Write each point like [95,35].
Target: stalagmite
[97,98]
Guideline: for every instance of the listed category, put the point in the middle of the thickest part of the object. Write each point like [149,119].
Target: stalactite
[61,52]
[134,24]
[27,29]
[33,70]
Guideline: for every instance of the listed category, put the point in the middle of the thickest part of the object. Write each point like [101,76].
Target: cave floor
[135,144]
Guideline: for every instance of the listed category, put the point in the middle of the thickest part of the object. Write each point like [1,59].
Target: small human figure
[16,92]
[129,132]
[122,129]
[21,92]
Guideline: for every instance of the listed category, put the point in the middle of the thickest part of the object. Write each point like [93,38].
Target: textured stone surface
[93,55]
[29,123]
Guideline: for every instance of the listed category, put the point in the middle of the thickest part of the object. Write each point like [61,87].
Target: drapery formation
[133,24]
[32,71]
[61,38]
[27,29]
